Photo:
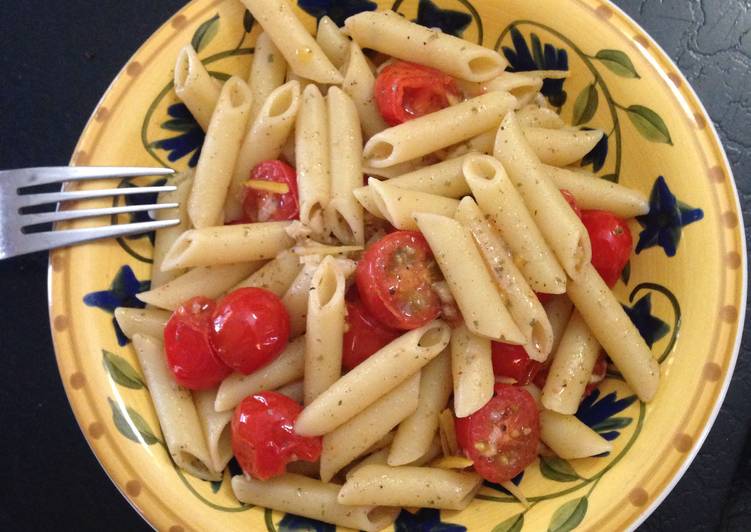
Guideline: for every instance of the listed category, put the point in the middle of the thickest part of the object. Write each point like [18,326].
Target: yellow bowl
[686,287]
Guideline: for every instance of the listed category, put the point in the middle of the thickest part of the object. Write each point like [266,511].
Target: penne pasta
[522,302]
[571,368]
[468,279]
[561,227]
[535,116]
[417,432]
[379,457]
[295,299]
[559,310]
[569,438]
[263,142]
[312,158]
[351,439]
[592,192]
[219,155]
[195,87]
[561,147]
[164,238]
[304,57]
[286,368]
[344,216]
[396,170]
[299,495]
[398,204]
[359,84]
[294,391]
[416,138]
[267,72]
[332,41]
[276,276]
[615,331]
[522,86]
[392,34]
[421,487]
[373,378]
[325,329]
[174,407]
[207,281]
[472,370]
[216,429]
[145,321]
[442,179]
[229,244]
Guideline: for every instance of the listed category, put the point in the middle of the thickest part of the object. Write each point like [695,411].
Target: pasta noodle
[295,299]
[195,87]
[359,84]
[267,72]
[472,370]
[145,321]
[397,204]
[216,429]
[561,147]
[167,236]
[294,391]
[569,438]
[559,310]
[442,179]
[276,276]
[332,41]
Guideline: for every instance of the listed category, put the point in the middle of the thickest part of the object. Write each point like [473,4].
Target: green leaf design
[248,21]
[121,422]
[557,469]
[205,32]
[121,371]
[586,104]
[179,124]
[649,124]
[626,273]
[221,76]
[618,63]
[613,178]
[613,423]
[568,516]
[512,524]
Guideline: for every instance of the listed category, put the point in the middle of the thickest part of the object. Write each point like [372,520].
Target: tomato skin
[262,206]
[190,356]
[544,298]
[365,334]
[502,437]
[405,91]
[394,279]
[264,440]
[611,243]
[250,328]
[513,361]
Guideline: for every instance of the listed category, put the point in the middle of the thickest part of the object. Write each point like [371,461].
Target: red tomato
[264,440]
[365,334]
[611,243]
[264,206]
[503,436]
[544,298]
[571,200]
[186,343]
[404,91]
[514,362]
[394,280]
[250,328]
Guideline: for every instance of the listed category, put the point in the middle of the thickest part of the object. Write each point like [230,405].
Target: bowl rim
[150,508]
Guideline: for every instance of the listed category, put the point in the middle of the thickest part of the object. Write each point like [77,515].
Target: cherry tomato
[186,343]
[513,361]
[544,298]
[571,200]
[250,328]
[404,91]
[264,440]
[503,436]
[365,334]
[394,280]
[265,206]
[611,243]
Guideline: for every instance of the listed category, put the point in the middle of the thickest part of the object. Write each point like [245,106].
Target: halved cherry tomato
[186,344]
[544,298]
[611,243]
[250,328]
[365,334]
[503,436]
[404,91]
[265,206]
[264,440]
[571,200]
[512,361]
[394,280]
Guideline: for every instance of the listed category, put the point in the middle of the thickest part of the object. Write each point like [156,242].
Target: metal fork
[17,239]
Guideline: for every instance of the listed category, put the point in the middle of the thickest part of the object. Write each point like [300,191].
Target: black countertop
[57,58]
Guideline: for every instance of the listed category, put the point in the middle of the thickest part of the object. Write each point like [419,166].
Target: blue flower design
[546,57]
[598,155]
[650,327]
[664,223]
[492,485]
[122,293]
[189,140]
[295,523]
[336,10]
[450,22]
[425,520]
[600,414]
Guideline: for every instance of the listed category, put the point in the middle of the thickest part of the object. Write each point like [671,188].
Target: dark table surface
[57,58]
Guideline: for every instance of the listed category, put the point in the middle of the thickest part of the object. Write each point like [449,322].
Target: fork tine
[31,200]
[28,177]
[57,239]
[59,216]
